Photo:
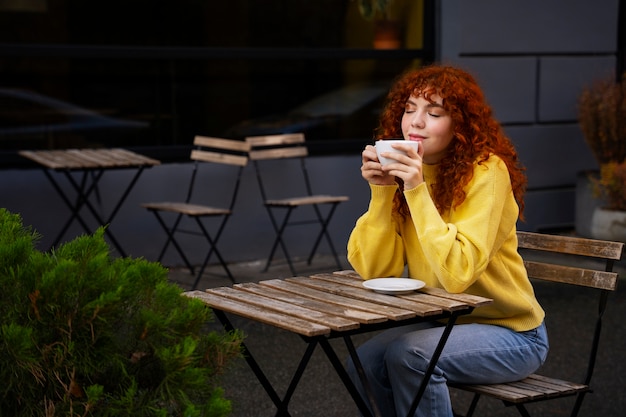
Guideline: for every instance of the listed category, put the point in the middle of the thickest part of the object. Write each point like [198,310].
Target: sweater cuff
[383,190]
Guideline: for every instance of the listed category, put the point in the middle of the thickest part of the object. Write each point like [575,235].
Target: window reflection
[171,70]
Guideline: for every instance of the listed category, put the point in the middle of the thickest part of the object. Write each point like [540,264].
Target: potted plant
[83,334]
[385,16]
[602,118]
[609,221]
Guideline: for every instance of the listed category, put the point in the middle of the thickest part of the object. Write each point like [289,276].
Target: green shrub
[84,334]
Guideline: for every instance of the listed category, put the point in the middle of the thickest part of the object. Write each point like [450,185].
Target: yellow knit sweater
[471,249]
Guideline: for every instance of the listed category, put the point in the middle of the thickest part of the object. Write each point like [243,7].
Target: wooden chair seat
[533,388]
[232,156]
[186,208]
[302,201]
[265,153]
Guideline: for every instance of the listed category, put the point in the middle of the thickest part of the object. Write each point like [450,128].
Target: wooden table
[327,306]
[89,166]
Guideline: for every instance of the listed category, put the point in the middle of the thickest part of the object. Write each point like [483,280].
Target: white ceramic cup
[385,146]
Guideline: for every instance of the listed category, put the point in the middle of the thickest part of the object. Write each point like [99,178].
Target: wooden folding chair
[272,148]
[207,150]
[565,260]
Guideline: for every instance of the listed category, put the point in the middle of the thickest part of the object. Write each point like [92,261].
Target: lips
[416,138]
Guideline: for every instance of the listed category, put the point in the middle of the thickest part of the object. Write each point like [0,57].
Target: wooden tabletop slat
[361,316]
[352,288]
[49,159]
[348,273]
[134,158]
[66,158]
[269,300]
[260,314]
[326,303]
[445,303]
[88,158]
[351,304]
[473,300]
[364,312]
[424,296]
[344,279]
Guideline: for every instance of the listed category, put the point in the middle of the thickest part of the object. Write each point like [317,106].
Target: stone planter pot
[609,225]
[586,202]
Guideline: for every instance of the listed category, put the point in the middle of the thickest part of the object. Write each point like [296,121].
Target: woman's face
[428,123]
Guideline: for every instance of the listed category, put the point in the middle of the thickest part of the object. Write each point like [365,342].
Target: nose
[417,120]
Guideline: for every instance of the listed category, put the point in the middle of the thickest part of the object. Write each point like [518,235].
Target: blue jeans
[395,361]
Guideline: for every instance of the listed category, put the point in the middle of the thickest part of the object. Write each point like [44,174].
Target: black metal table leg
[345,378]
[433,363]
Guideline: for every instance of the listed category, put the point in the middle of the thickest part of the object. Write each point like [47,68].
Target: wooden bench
[586,263]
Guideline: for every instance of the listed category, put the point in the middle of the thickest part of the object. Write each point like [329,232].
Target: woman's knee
[404,353]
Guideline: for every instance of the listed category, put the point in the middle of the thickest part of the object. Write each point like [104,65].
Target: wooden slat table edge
[473,300]
[282,321]
[348,273]
[359,316]
[88,158]
[352,308]
[423,309]
[44,160]
[246,294]
[350,296]
[135,158]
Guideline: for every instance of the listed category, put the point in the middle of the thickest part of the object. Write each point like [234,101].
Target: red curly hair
[477,134]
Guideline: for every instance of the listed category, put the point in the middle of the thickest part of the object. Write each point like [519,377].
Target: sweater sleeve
[459,248]
[375,247]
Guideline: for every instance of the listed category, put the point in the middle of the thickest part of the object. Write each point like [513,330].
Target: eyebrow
[429,105]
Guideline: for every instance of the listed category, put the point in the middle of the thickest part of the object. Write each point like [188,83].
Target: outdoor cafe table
[333,305]
[84,169]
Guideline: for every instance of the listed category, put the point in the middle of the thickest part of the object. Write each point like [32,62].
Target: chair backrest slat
[572,275]
[290,145]
[576,261]
[219,143]
[579,263]
[220,158]
[570,245]
[265,150]
[275,140]
[221,151]
[279,153]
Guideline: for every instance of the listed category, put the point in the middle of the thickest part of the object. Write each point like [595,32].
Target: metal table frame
[323,341]
[83,170]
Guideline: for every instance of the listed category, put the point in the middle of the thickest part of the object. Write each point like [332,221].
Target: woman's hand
[372,170]
[408,167]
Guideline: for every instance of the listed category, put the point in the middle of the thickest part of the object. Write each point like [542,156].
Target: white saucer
[393,286]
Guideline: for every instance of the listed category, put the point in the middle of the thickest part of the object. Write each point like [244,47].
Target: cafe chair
[265,153]
[562,261]
[207,150]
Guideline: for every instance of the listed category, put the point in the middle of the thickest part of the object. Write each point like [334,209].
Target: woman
[446,214]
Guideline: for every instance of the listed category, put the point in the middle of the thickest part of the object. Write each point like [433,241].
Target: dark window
[149,75]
